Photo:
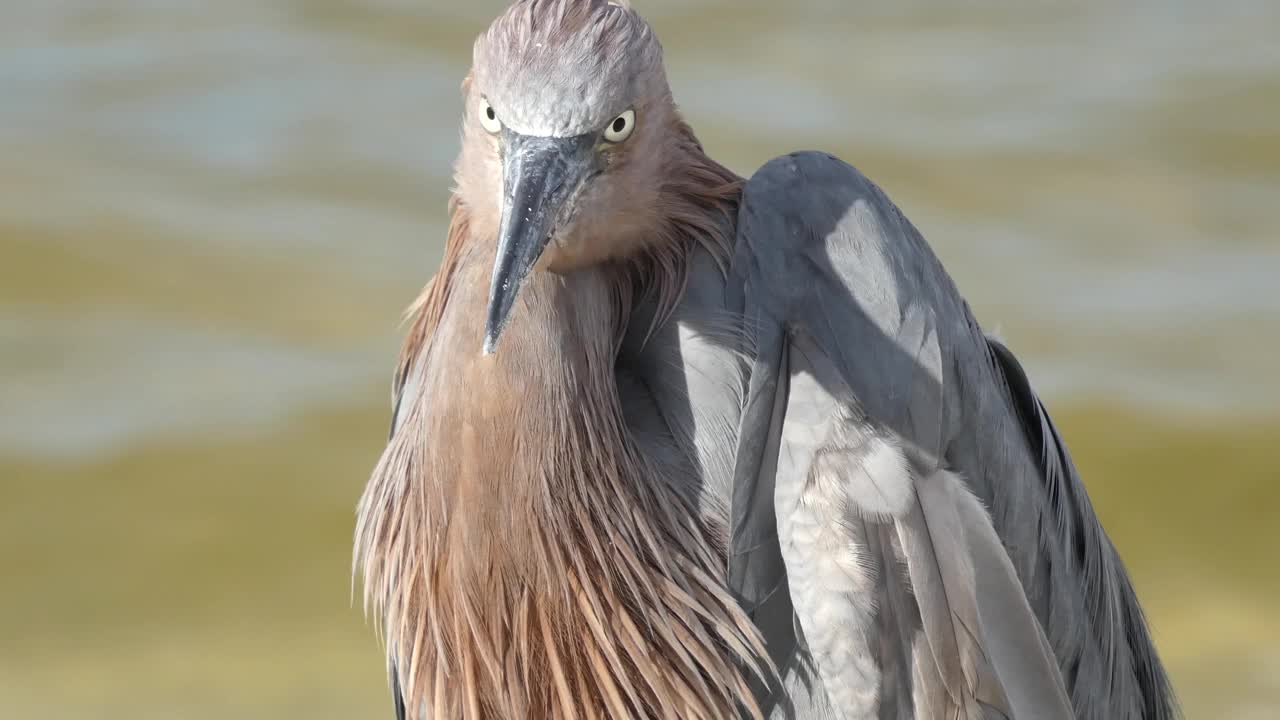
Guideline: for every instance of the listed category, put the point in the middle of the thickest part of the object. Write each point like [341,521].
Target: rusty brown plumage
[523,557]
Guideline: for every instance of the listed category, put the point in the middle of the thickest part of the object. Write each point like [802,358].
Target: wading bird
[672,444]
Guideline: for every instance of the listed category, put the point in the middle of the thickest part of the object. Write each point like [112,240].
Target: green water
[212,214]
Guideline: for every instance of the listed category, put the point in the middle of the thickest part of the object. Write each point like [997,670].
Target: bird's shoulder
[822,251]
[811,226]
[811,195]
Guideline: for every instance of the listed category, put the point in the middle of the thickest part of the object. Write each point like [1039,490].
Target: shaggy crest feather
[620,610]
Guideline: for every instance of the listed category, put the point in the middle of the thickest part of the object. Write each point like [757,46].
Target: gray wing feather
[1111,602]
[933,541]
[846,295]
[1016,646]
[404,392]
[404,386]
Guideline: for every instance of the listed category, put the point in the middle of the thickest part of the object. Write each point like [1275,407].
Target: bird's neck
[504,426]
[525,560]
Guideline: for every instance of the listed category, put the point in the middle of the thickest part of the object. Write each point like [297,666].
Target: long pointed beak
[539,177]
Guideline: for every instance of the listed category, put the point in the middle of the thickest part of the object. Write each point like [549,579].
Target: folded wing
[900,483]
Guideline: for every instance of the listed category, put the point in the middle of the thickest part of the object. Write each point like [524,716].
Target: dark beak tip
[500,306]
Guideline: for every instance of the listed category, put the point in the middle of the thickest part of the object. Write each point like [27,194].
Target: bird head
[564,139]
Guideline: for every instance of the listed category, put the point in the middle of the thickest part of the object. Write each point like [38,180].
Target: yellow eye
[488,118]
[621,127]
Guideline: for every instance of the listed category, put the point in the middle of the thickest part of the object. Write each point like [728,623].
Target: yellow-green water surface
[212,214]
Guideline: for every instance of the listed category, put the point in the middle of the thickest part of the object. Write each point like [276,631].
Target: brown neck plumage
[524,558]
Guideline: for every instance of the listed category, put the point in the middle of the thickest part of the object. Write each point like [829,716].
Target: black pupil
[489,112]
[619,124]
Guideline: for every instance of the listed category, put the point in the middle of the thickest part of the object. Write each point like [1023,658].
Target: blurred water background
[213,213]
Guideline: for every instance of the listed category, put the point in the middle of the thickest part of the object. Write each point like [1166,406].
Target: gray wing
[403,386]
[902,487]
